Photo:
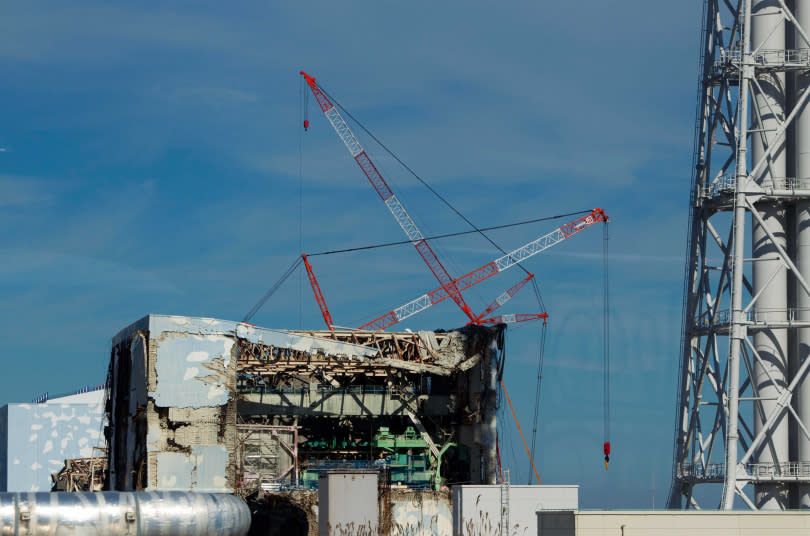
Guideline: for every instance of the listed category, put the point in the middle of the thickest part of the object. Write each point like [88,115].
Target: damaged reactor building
[221,406]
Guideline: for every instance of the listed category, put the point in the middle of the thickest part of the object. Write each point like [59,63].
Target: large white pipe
[802,166]
[768,33]
[123,513]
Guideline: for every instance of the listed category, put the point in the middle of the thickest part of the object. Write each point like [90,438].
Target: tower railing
[755,472]
[756,316]
[767,58]
[726,186]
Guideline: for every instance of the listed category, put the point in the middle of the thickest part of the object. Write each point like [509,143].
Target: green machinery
[407,455]
[411,439]
[410,458]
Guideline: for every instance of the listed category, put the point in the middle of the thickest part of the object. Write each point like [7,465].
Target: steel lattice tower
[744,400]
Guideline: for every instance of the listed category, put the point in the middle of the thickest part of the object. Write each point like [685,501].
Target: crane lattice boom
[504,297]
[316,289]
[488,270]
[513,318]
[384,191]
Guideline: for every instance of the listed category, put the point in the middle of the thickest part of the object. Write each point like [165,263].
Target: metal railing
[263,389]
[711,471]
[44,397]
[758,316]
[727,184]
[766,58]
[328,465]
[328,389]
[755,471]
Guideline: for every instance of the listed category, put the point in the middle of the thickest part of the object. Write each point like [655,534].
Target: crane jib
[343,131]
[373,176]
[384,191]
[322,99]
[505,296]
[488,270]
[450,288]
[387,320]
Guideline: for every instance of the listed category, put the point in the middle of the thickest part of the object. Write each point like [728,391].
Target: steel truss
[744,401]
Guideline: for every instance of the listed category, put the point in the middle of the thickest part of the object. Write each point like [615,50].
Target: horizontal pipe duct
[112,513]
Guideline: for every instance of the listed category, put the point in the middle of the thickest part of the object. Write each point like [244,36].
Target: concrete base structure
[481,509]
[401,512]
[417,513]
[663,522]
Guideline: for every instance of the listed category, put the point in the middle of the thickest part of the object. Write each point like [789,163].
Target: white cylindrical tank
[768,273]
[114,513]
[802,167]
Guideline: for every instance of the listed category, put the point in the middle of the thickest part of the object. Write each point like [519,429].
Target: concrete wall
[172,408]
[478,508]
[421,513]
[346,502]
[39,437]
[693,523]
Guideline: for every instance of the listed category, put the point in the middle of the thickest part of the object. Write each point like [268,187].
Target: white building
[482,509]
[664,522]
[36,438]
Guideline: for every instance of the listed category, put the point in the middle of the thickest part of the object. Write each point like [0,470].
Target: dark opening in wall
[278,515]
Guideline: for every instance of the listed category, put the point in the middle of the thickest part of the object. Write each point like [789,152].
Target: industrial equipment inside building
[412,411]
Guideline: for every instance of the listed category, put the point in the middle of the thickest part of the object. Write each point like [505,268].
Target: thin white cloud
[16,191]
[541,122]
[214,95]
[54,270]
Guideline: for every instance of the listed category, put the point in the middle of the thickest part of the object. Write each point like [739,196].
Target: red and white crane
[488,270]
[450,288]
[478,275]
[500,300]
[384,191]
[316,289]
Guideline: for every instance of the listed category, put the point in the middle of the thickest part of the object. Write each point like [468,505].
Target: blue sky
[149,163]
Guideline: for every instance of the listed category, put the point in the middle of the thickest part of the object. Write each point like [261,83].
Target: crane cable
[416,176]
[506,394]
[606,346]
[273,289]
[537,392]
[297,261]
[430,188]
[449,235]
[304,112]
